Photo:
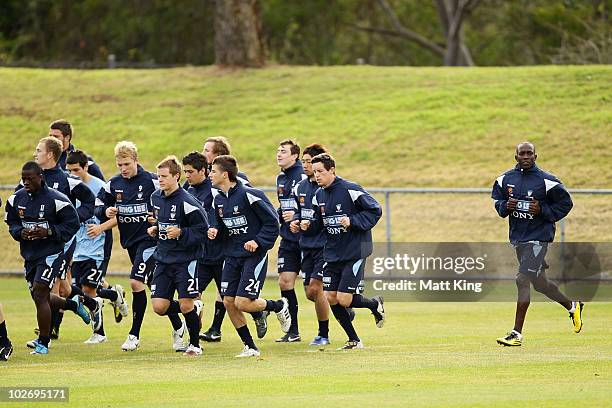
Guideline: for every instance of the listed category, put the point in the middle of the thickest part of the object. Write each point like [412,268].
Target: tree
[451,14]
[238,35]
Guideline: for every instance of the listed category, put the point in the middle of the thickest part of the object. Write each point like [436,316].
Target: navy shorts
[206,274]
[43,270]
[69,248]
[170,277]
[530,256]
[345,276]
[244,276]
[88,272]
[143,262]
[289,257]
[312,265]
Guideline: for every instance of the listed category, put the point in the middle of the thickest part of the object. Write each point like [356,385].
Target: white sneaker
[120,302]
[96,314]
[199,308]
[131,343]
[177,339]
[352,345]
[379,316]
[193,351]
[96,339]
[33,343]
[249,352]
[284,317]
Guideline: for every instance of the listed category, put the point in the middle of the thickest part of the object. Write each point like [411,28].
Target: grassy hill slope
[386,126]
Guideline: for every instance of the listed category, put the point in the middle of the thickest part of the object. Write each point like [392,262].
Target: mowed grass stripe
[428,354]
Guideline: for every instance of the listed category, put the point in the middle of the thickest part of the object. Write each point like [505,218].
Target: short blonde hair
[53,145]
[171,163]
[125,149]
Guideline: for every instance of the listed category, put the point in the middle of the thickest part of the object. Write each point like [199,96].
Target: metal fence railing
[398,216]
[388,191]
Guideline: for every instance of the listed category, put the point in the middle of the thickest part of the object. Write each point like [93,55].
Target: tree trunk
[238,35]
[452,14]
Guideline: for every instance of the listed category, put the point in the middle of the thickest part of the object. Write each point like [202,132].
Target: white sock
[573,309]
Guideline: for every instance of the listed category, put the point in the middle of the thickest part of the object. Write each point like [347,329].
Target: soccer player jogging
[181,227]
[42,220]
[248,222]
[126,197]
[63,131]
[210,264]
[6,348]
[289,254]
[312,241]
[92,254]
[348,214]
[533,200]
[47,154]
[213,147]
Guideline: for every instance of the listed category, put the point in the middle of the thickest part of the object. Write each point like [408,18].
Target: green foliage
[163,31]
[314,32]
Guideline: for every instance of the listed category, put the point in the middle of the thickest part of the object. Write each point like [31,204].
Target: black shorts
[312,265]
[244,277]
[289,257]
[69,248]
[345,276]
[88,272]
[530,256]
[43,270]
[143,262]
[170,277]
[206,274]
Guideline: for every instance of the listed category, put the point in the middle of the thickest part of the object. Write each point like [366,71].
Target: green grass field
[428,354]
[404,127]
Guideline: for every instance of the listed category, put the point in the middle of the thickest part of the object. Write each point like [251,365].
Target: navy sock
[70,305]
[3,333]
[57,319]
[293,309]
[75,290]
[175,320]
[256,315]
[100,331]
[174,308]
[219,315]
[324,328]
[274,306]
[245,336]
[139,306]
[344,319]
[44,340]
[361,302]
[108,294]
[54,314]
[193,325]
[89,302]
